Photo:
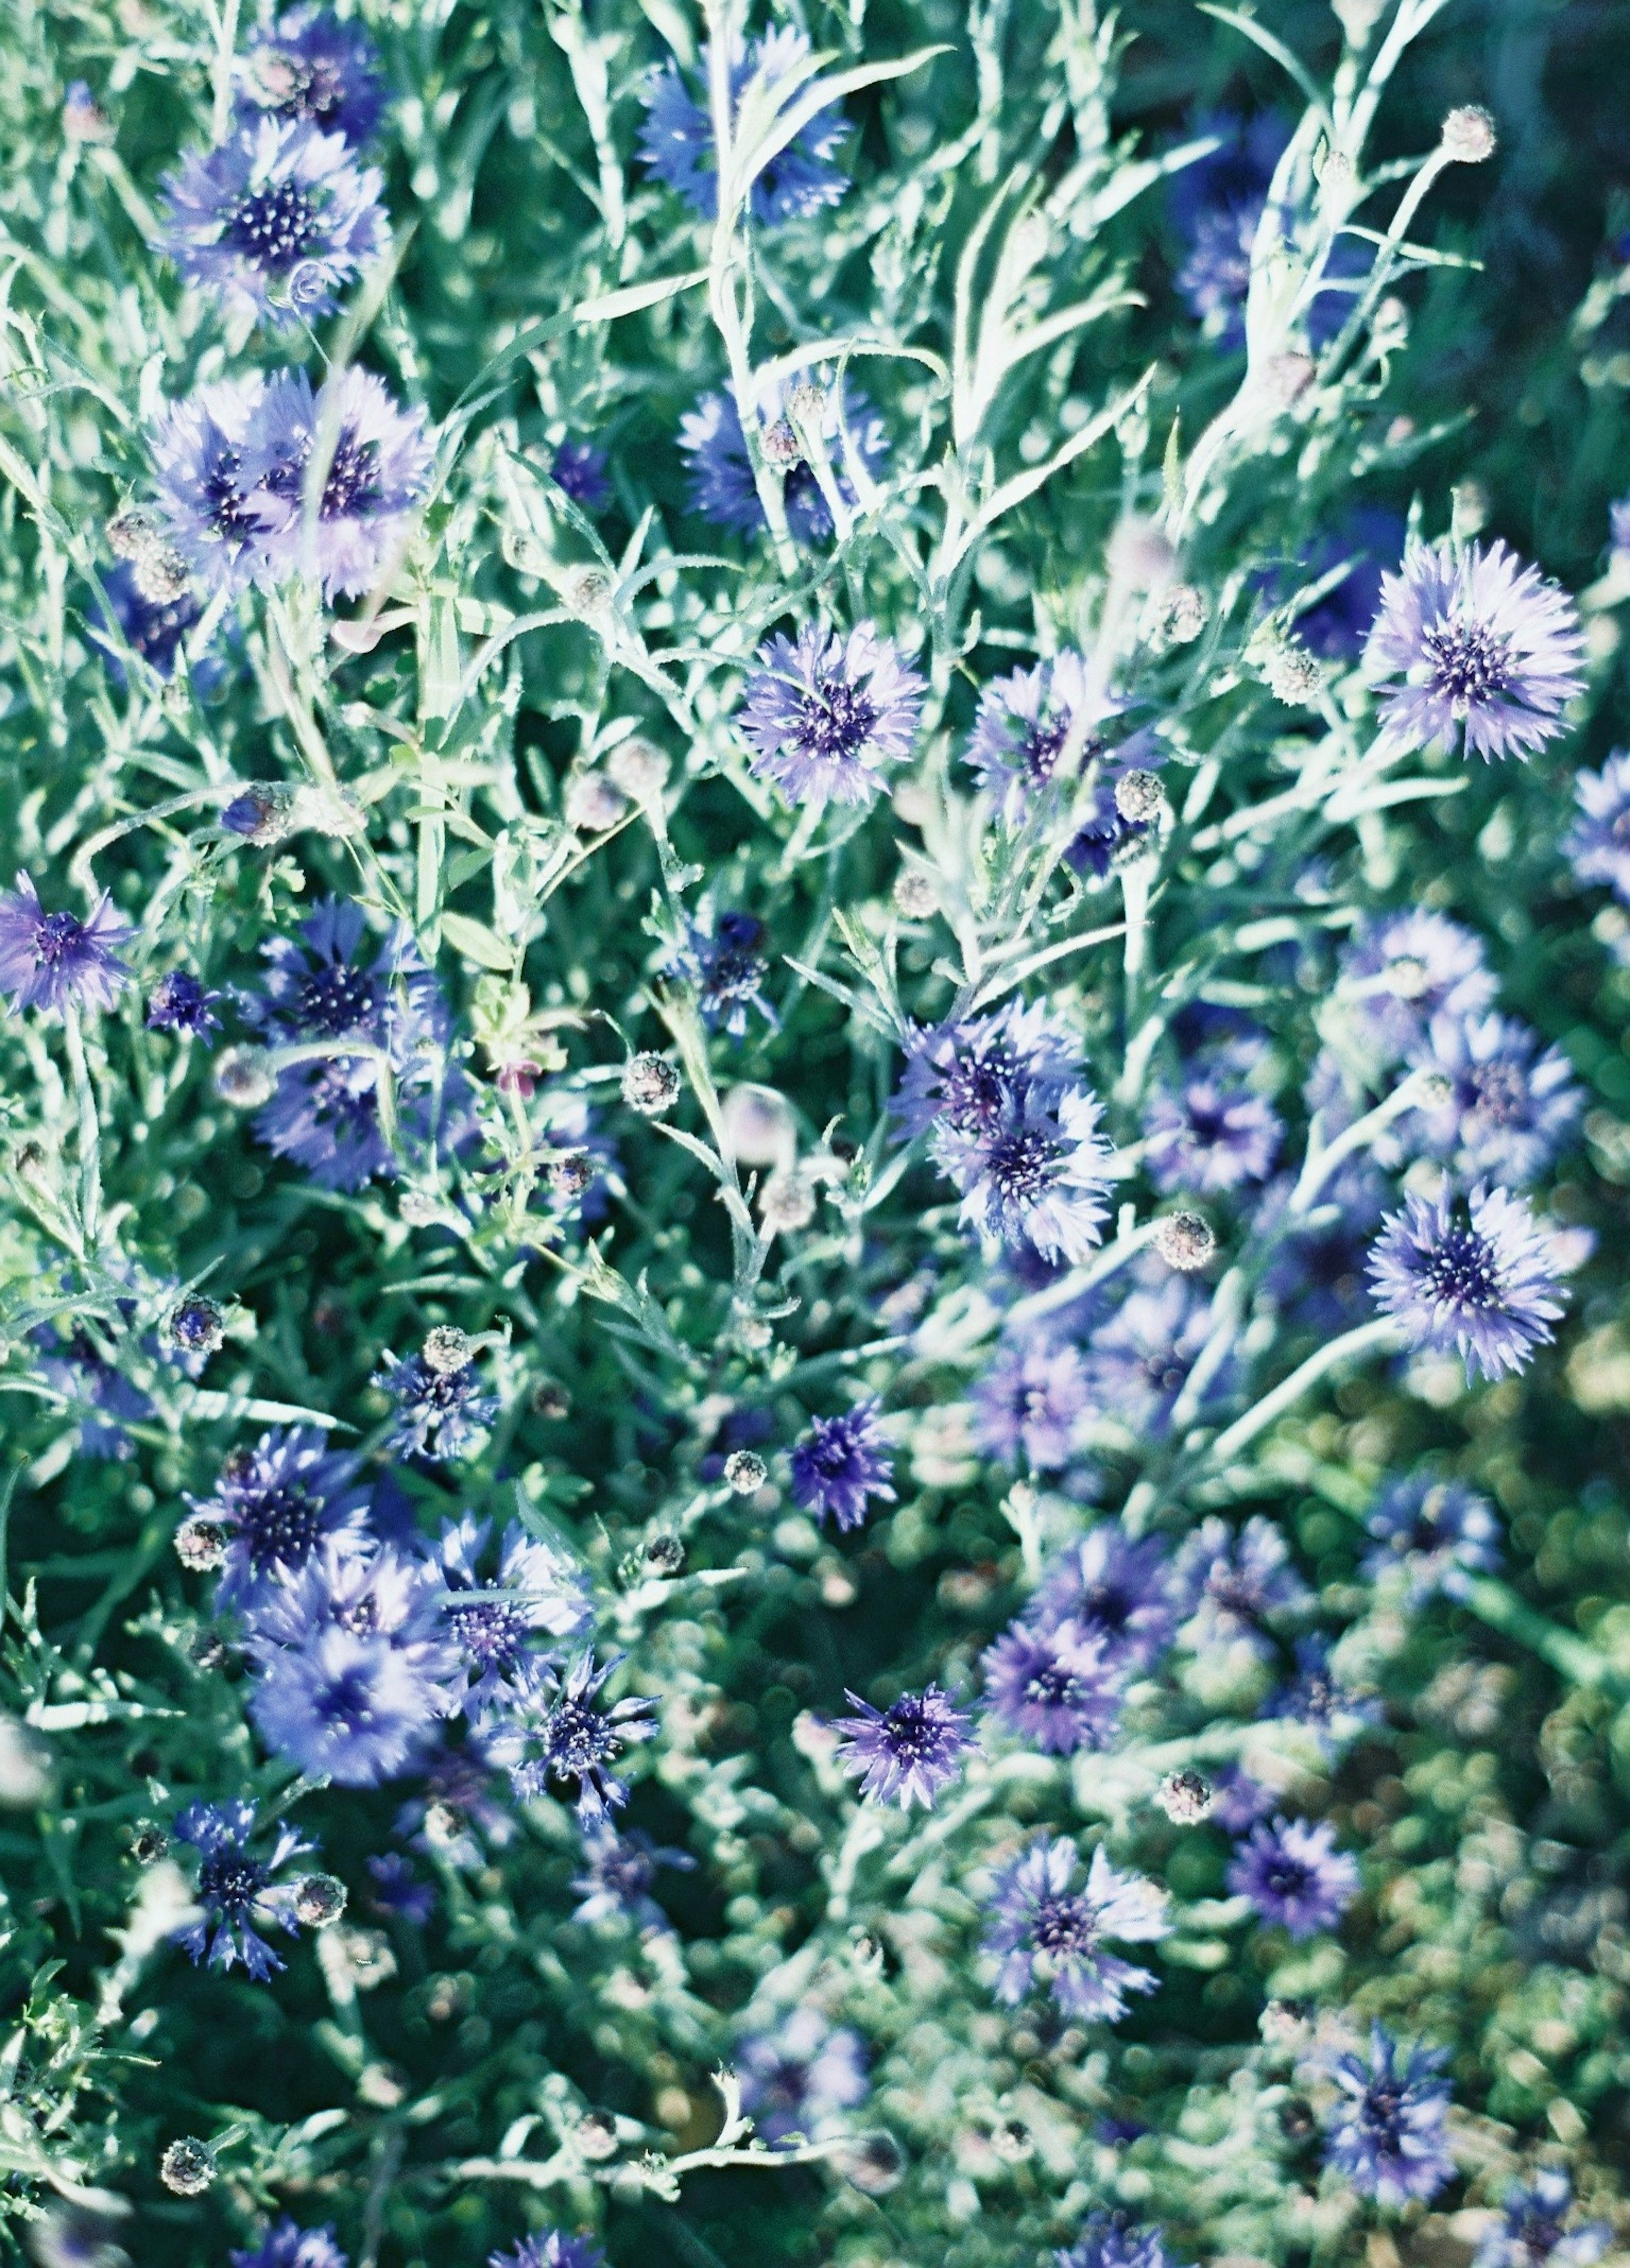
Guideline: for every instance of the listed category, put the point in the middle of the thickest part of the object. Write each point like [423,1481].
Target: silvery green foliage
[809,1116]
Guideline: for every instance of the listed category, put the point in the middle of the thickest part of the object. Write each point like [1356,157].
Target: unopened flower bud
[419,1207]
[650,1085]
[639,766]
[1436,1090]
[1283,2023]
[244,1078]
[202,1543]
[1185,1241]
[593,803]
[588,592]
[806,402]
[1181,615]
[263,813]
[446,1348]
[1468,135]
[1137,796]
[131,531]
[781,445]
[914,894]
[319,1899]
[149,1844]
[1012,2141]
[664,1555]
[550,1400]
[188,2167]
[1185,1797]
[1291,673]
[875,2164]
[161,573]
[745,1472]
[1285,378]
[196,1325]
[570,1175]
[597,2136]
[787,1202]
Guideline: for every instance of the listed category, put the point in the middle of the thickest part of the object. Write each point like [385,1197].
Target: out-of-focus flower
[1228,1589]
[676,140]
[55,961]
[1435,1532]
[802,2076]
[1056,1689]
[720,470]
[1294,1876]
[310,68]
[1386,2133]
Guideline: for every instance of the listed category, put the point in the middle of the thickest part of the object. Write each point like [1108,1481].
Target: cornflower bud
[319,1899]
[781,445]
[446,1348]
[1137,796]
[245,1078]
[202,1543]
[1185,1797]
[188,2167]
[262,813]
[1185,1241]
[593,803]
[1468,135]
[1181,615]
[745,1472]
[914,894]
[664,1555]
[1291,673]
[196,1325]
[650,1085]
[639,766]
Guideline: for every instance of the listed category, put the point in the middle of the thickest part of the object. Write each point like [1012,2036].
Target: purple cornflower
[719,479]
[1044,1932]
[676,140]
[571,1139]
[179,1003]
[1597,847]
[532,1588]
[315,70]
[1041,1179]
[274,1506]
[379,464]
[55,961]
[326,1112]
[1238,1801]
[1531,2234]
[152,627]
[579,469]
[719,956]
[237,1888]
[1436,1534]
[545,1725]
[1138,1362]
[966,1080]
[1357,550]
[1473,640]
[198,447]
[1317,1699]
[1486,1285]
[802,2076]
[104,1401]
[617,1874]
[1026,1402]
[1213,1134]
[440,1413]
[1216,204]
[908,1753]
[825,714]
[1023,723]
[398,1890]
[285,2244]
[276,222]
[1105,837]
[1407,969]
[1057,1689]
[1228,1588]
[1111,1588]
[1387,2135]
[1294,1876]
[1111,2239]
[549,2248]
[840,1464]
[1509,1108]
[458,1796]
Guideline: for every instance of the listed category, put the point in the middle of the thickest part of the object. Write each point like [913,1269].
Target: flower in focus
[1226,1589]
[1473,643]
[1111,1588]
[719,481]
[719,956]
[1532,2232]
[676,140]
[825,714]
[963,1081]
[1485,1285]
[1294,1876]
[545,1725]
[275,1505]
[311,68]
[440,1412]
[1025,723]
[531,1589]
[57,962]
[1044,1932]
[1597,847]
[1387,2135]
[1056,1690]
[802,2076]
[1509,1108]
[179,1003]
[276,222]
[1436,1534]
[840,1464]
[198,447]
[378,467]
[237,1888]
[908,1753]
[287,2245]
[1041,1179]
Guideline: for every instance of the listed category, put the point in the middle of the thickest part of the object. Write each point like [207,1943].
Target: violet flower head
[1485,1284]
[1041,1179]
[440,1413]
[237,1886]
[285,2244]
[550,2248]
[1294,1876]
[800,2077]
[1438,1535]
[1386,2135]
[378,469]
[274,1506]
[1404,970]
[154,628]
[1112,2240]
[1024,722]
[1319,1699]
[964,1081]
[1057,1689]
[1227,1588]
[578,468]
[1045,1932]
[1474,644]
[546,1726]
[1112,1588]
[1597,847]
[99,1397]
[618,1871]
[676,140]
[1317,1268]
[1027,1403]
[531,1589]
[1356,551]
[198,447]
[719,956]
[1138,1360]
[906,1754]
[1510,1107]
[179,1003]
[840,1464]
[824,716]
[719,480]
[399,1890]
[311,68]
[1216,204]
[56,962]
[1532,2231]
[1213,1134]
[276,221]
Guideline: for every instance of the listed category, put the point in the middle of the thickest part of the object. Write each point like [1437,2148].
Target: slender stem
[1383,1332]
[90,1130]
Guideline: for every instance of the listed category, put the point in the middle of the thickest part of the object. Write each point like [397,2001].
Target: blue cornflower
[1044,1932]
[1111,2239]
[549,2248]
[1216,204]
[276,222]
[1598,846]
[676,140]
[544,1725]
[378,462]
[1473,640]
[1387,2135]
[967,1079]
[325,1113]
[1040,1178]
[1226,1589]
[531,1589]
[1113,1589]
[441,1411]
[1531,2231]
[1106,836]
[1437,1534]
[1021,729]
[198,447]
[1294,1876]
[272,1507]
[1028,1402]
[840,1464]
[578,468]
[1056,1689]
[101,1399]
[313,69]
[1485,1285]
[1363,543]
[153,625]
[1318,1699]
[1407,968]
[910,1752]
[719,956]
[1138,1360]
[285,2244]
[719,472]
[1214,1133]
[179,1003]
[398,1890]
[237,1886]
[826,714]
[1509,1108]
[802,2076]
[57,962]
[618,1871]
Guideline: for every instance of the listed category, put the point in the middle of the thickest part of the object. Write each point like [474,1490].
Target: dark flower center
[1017,1165]
[280,1523]
[1470,663]
[1066,1927]
[908,1733]
[1038,749]
[334,999]
[833,1457]
[731,973]
[490,1631]
[1461,1271]
[1286,1877]
[833,726]
[579,1739]
[58,937]
[347,1702]
[1110,1609]
[1500,1091]
[1051,1686]
[352,489]
[275,226]
[978,1089]
[222,495]
[231,1881]
[361,1617]
[310,88]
